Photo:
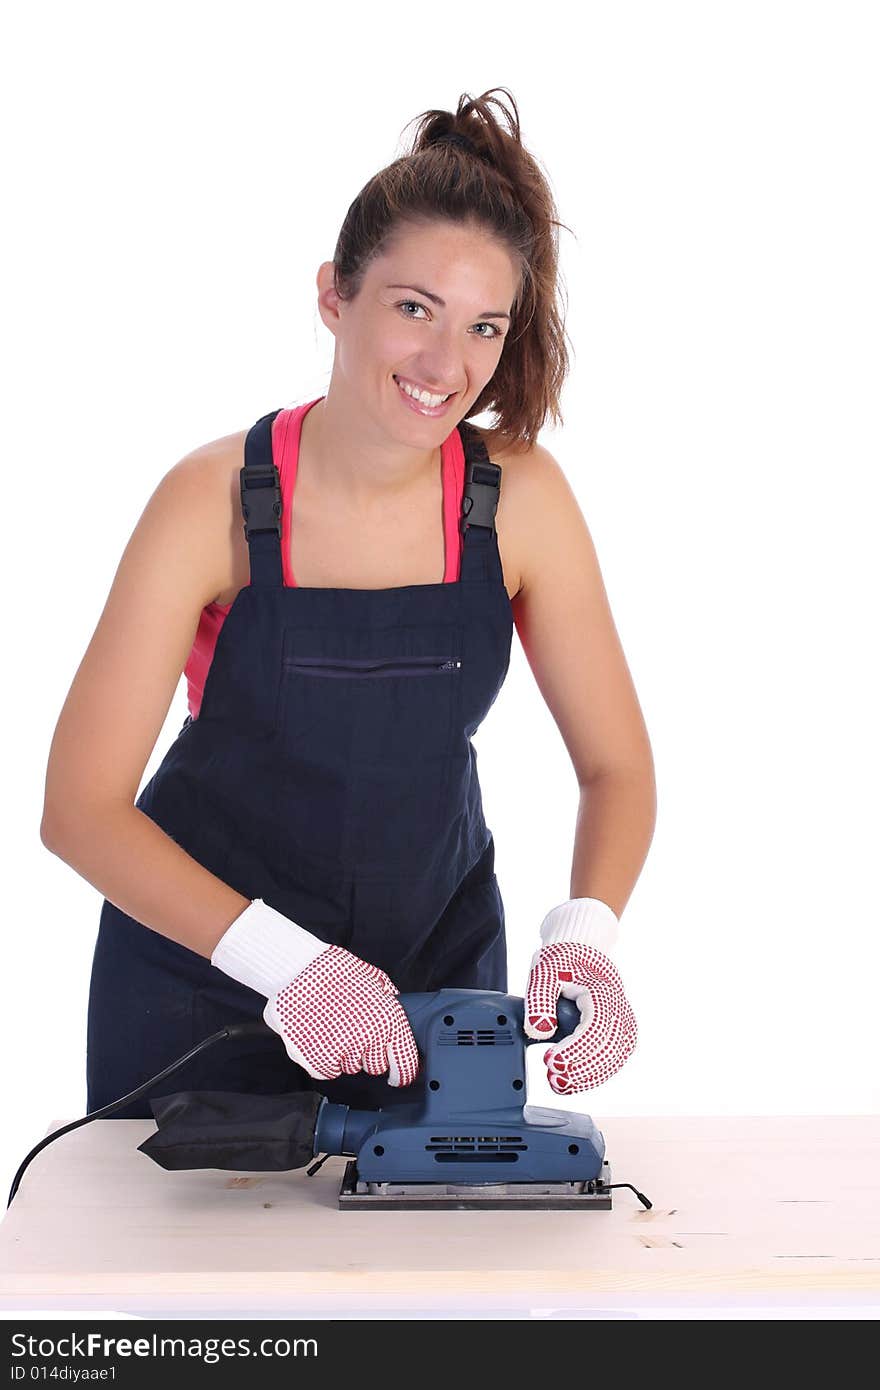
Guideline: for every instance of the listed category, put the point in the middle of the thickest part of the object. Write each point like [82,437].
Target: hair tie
[453,138]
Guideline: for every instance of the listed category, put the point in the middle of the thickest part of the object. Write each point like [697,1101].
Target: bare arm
[175,562]
[568,634]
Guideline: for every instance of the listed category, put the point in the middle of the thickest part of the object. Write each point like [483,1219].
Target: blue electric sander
[460,1135]
[466,1138]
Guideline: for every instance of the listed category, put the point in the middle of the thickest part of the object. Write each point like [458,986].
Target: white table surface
[753,1216]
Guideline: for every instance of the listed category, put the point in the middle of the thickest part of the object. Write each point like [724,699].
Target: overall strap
[482,488]
[261,504]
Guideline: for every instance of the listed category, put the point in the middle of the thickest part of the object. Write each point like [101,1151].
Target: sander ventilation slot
[475,1037]
[476,1149]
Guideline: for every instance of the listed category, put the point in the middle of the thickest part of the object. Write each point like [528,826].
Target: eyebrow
[435,299]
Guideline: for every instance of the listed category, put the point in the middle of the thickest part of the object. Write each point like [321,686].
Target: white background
[172,179]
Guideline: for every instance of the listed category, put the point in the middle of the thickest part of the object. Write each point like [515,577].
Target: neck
[355,465]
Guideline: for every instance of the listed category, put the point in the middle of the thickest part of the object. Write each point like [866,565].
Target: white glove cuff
[265,950]
[587,920]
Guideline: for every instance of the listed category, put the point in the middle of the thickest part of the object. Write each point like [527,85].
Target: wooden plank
[755,1206]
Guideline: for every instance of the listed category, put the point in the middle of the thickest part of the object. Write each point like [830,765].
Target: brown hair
[483,177]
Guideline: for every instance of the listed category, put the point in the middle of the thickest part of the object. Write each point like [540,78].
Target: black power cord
[234,1030]
[607,1186]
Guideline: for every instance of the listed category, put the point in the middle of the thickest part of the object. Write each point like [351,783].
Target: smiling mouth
[402,382]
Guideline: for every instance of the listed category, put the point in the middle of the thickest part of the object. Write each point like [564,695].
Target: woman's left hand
[572,961]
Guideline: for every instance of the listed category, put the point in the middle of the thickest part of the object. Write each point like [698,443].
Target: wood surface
[747,1211]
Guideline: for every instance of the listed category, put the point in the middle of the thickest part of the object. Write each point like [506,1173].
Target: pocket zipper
[372,666]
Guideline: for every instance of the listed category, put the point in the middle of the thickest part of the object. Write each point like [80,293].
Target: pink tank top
[286,429]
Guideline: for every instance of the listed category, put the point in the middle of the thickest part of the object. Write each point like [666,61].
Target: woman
[314,841]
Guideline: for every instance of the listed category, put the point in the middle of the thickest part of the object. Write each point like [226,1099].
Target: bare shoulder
[220,459]
[217,465]
[536,504]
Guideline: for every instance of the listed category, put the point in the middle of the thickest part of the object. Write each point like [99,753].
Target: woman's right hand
[334,1012]
[340,1015]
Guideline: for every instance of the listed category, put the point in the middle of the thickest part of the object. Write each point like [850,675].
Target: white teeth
[424,396]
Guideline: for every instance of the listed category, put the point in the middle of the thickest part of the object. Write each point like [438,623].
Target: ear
[328,299]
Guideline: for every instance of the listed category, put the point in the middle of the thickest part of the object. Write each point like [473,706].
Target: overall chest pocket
[365,726]
[366,666]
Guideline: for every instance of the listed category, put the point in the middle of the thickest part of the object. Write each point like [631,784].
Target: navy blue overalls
[331,773]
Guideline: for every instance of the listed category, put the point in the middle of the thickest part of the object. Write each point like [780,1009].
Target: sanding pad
[429,1196]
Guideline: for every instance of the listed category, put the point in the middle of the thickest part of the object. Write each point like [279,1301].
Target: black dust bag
[233,1129]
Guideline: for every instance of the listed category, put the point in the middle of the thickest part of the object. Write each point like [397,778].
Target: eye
[407,302]
[414,303]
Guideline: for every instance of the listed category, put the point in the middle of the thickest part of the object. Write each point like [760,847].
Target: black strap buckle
[480,498]
[260,498]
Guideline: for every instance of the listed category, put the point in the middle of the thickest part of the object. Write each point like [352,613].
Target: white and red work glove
[572,962]
[335,1012]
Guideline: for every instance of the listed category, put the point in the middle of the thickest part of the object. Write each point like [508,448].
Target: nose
[443,371]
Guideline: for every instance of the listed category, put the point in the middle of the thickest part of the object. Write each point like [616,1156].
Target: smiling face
[432,312]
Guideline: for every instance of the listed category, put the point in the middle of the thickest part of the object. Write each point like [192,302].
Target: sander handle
[510,1006]
[418,1005]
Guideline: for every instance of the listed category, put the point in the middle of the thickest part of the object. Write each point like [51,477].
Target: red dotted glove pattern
[340,1015]
[606,1035]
